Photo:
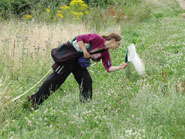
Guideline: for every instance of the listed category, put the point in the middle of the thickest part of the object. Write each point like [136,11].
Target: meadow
[125,105]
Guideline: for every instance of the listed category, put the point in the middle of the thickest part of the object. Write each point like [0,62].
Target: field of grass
[125,105]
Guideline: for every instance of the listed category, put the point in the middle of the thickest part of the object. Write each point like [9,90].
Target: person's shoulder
[91,34]
[97,36]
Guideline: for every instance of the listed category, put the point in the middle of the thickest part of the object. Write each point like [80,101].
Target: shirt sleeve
[106,60]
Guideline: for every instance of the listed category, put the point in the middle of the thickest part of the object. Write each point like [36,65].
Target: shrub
[53,11]
[5,8]
[21,7]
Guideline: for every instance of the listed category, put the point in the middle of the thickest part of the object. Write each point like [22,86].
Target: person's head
[113,40]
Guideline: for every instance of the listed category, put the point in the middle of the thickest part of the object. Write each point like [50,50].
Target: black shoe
[33,103]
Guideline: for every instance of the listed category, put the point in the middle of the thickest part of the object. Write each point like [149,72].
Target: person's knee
[88,81]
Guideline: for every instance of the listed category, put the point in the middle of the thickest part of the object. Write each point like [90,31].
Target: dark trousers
[54,81]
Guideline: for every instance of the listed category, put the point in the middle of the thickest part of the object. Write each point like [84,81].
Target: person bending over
[85,43]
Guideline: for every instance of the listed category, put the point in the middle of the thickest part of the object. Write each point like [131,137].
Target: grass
[125,105]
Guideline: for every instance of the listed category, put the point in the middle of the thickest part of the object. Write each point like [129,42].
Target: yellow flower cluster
[64,7]
[79,3]
[60,15]
[77,13]
[86,12]
[78,8]
[48,10]
[28,16]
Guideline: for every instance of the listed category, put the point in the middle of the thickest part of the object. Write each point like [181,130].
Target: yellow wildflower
[80,13]
[48,10]
[76,13]
[86,12]
[60,15]
[78,17]
[84,5]
[59,11]
[78,2]
[72,3]
[64,7]
[28,16]
[79,8]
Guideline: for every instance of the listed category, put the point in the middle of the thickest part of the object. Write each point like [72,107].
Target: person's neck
[107,44]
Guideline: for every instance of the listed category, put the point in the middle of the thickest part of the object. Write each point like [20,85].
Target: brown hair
[115,36]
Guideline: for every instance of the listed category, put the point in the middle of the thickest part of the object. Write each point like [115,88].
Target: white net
[134,58]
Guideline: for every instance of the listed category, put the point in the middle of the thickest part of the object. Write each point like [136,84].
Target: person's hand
[86,55]
[123,65]
[82,47]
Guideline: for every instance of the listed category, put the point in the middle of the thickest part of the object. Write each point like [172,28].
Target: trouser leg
[51,84]
[84,80]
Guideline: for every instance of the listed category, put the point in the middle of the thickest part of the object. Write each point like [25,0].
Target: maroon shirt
[97,42]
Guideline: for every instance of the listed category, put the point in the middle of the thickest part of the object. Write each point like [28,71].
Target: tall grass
[124,105]
[25,54]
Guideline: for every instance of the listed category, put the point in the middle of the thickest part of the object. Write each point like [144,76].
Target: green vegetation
[124,105]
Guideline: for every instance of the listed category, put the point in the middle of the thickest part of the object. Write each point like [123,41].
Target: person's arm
[82,47]
[107,63]
[115,68]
